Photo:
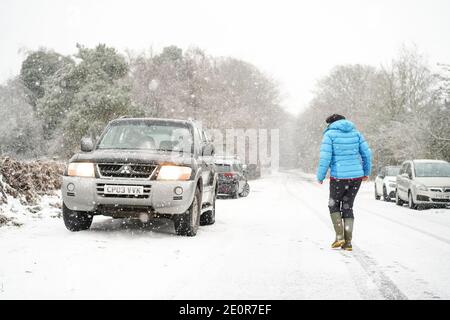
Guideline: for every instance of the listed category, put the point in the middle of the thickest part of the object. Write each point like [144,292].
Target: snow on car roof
[226,160]
[228,163]
[152,119]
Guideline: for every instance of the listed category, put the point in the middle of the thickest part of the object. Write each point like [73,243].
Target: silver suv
[143,168]
[424,183]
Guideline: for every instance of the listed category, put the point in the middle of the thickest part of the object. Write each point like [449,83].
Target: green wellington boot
[348,232]
[339,229]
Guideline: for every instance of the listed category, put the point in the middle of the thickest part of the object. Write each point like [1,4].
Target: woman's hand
[320,182]
[365,178]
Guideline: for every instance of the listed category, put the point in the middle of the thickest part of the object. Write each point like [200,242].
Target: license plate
[442,196]
[127,190]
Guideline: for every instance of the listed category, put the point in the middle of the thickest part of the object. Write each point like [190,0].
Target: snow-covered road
[272,245]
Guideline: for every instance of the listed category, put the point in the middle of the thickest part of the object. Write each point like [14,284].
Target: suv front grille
[114,170]
[101,193]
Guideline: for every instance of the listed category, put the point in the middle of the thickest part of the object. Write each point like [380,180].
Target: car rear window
[223,167]
[391,172]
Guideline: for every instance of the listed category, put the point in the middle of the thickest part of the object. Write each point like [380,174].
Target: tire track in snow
[406,225]
[418,218]
[385,285]
[427,291]
[447,241]
[211,264]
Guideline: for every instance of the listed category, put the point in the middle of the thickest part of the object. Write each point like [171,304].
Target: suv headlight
[81,169]
[421,187]
[174,173]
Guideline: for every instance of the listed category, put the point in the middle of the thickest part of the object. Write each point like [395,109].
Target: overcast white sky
[296,42]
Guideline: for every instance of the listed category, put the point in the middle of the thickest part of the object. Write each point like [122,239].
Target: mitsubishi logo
[125,170]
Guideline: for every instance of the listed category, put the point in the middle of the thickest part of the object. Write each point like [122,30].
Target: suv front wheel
[76,220]
[186,224]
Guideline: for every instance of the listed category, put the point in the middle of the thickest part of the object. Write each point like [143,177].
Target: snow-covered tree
[37,68]
[80,99]
[221,92]
[439,129]
[20,131]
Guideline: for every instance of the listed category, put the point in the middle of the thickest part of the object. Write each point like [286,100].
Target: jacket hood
[341,125]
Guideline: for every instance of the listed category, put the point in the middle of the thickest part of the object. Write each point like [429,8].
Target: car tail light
[229,175]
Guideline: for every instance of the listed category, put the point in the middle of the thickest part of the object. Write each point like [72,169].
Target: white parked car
[386,183]
[424,183]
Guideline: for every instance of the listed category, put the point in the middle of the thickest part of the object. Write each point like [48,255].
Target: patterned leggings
[342,196]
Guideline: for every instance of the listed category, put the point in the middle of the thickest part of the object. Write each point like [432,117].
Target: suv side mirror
[87,145]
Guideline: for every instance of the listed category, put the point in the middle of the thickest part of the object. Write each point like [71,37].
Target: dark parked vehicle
[143,168]
[232,177]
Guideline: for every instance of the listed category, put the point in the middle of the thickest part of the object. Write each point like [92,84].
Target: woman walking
[346,153]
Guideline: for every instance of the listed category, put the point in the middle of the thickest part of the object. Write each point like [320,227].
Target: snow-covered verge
[28,190]
[16,213]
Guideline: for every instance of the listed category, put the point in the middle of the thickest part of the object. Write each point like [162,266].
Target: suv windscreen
[392,172]
[148,136]
[432,169]
[223,167]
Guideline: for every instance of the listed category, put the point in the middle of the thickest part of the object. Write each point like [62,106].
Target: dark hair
[334,117]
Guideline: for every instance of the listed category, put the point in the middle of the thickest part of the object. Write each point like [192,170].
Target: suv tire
[186,224]
[246,190]
[76,220]
[209,217]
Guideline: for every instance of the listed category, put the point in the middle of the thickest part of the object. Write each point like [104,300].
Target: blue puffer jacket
[345,151]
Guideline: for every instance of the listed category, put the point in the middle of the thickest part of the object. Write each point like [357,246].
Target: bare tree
[402,109]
